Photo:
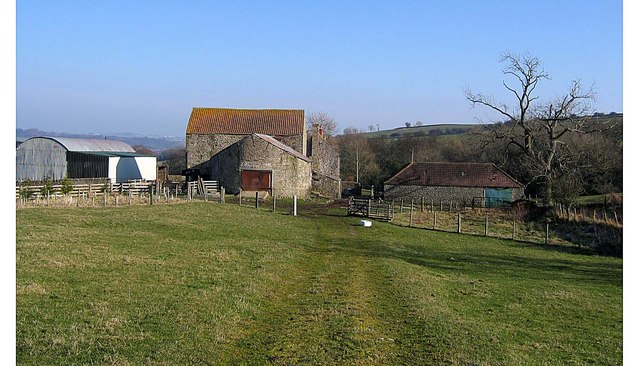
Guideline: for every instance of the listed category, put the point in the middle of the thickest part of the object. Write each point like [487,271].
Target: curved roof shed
[58,157]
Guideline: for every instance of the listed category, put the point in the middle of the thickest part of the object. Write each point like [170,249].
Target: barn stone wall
[433,193]
[289,175]
[440,193]
[201,147]
[325,164]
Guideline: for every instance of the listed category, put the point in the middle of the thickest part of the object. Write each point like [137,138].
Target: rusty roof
[485,175]
[278,122]
[283,147]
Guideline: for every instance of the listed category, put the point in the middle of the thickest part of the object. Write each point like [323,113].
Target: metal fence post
[459,223]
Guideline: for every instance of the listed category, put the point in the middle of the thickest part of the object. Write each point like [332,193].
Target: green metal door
[496,197]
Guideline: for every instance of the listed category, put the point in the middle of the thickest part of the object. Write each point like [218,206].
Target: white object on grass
[365,223]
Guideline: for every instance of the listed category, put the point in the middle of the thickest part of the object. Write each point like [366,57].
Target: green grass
[205,283]
[599,199]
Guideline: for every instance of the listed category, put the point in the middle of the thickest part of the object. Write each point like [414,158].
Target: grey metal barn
[58,157]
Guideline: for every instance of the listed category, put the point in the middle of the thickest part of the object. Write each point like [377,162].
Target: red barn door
[256,180]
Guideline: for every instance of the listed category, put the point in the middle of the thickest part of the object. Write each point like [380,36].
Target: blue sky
[135,66]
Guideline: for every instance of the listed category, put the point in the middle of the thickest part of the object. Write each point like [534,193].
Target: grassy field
[204,283]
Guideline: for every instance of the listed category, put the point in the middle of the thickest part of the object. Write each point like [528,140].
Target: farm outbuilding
[39,158]
[482,184]
[214,135]
[261,163]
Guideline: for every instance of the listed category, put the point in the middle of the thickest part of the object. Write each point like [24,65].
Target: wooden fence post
[257,199]
[422,204]
[221,194]
[411,214]
[459,223]
[150,195]
[401,204]
[240,197]
[513,233]
[486,225]
[546,234]
[434,219]
[440,205]
[104,199]
[273,203]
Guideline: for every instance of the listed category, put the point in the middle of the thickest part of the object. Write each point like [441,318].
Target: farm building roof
[282,146]
[83,145]
[278,122]
[112,153]
[485,175]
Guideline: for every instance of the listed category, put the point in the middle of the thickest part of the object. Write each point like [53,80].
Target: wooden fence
[135,188]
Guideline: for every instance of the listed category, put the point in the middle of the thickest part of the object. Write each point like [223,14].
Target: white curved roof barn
[39,158]
[72,144]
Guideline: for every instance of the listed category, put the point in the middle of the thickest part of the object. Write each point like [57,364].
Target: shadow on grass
[477,263]
[476,255]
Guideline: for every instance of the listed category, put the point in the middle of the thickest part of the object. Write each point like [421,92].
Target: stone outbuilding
[226,145]
[260,163]
[211,130]
[482,184]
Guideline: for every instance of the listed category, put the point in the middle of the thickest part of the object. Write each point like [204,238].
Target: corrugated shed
[483,175]
[72,144]
[282,146]
[279,122]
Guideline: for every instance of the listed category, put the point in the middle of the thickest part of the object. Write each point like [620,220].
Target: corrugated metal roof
[278,122]
[120,154]
[79,145]
[282,146]
[454,175]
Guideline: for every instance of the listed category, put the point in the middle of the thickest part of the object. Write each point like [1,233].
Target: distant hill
[153,143]
[428,130]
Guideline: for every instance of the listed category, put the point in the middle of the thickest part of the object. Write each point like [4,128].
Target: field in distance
[206,283]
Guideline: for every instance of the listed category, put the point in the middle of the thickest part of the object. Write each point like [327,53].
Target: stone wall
[439,193]
[325,164]
[201,147]
[289,175]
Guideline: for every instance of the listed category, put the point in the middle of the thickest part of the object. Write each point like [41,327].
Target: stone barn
[211,130]
[482,184]
[223,144]
[260,163]
[39,158]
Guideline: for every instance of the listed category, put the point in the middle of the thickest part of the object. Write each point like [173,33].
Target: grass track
[205,283]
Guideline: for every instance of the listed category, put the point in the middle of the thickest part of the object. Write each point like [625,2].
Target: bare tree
[538,130]
[325,121]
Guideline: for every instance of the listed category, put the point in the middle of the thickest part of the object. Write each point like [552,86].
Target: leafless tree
[325,121]
[538,130]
